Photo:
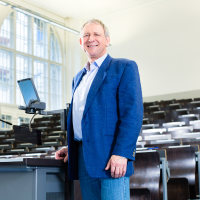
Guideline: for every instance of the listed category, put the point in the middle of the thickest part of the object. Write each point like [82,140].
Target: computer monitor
[28,91]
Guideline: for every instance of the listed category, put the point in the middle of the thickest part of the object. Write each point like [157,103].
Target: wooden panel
[182,164]
[178,188]
[147,173]
[196,171]
[140,194]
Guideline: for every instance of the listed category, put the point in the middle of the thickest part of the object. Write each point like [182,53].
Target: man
[104,119]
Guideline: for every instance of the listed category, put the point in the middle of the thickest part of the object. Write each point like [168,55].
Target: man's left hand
[118,166]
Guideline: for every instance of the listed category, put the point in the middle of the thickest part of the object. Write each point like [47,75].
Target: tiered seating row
[52,137]
[174,126]
[167,125]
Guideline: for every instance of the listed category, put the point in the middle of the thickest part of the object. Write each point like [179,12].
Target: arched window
[29,48]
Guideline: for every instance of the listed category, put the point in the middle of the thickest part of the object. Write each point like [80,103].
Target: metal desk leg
[165,171]
[198,160]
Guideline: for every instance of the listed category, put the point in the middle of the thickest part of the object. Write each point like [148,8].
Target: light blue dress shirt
[80,95]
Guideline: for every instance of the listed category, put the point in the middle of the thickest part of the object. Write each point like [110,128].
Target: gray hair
[96,21]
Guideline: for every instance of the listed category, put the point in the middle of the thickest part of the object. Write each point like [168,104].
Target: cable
[30,129]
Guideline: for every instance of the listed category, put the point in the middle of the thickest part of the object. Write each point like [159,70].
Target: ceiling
[84,9]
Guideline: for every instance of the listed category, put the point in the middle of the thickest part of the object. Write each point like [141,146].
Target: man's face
[93,41]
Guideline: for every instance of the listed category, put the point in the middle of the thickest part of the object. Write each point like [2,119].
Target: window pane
[27,120]
[55,53]
[23,70]
[56,86]
[20,120]
[6,77]
[7,32]
[7,118]
[23,33]
[40,39]
[3,125]
[41,80]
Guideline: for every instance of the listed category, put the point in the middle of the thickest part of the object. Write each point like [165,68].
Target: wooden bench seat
[49,124]
[171,107]
[150,126]
[183,101]
[21,150]
[160,121]
[146,120]
[164,103]
[173,124]
[175,113]
[6,146]
[157,137]
[55,133]
[187,118]
[44,149]
[162,145]
[152,109]
[24,145]
[59,137]
[47,118]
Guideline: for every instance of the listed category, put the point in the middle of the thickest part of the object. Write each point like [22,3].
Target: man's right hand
[62,154]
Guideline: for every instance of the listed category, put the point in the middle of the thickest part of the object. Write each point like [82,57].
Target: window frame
[33,57]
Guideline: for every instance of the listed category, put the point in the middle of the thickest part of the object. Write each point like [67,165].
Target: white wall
[164,39]
[75,56]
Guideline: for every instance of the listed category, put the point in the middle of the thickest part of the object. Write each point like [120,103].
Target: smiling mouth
[91,46]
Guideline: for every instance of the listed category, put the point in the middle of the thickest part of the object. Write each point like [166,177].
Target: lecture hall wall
[163,37]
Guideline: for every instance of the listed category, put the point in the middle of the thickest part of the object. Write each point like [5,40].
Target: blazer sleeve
[130,105]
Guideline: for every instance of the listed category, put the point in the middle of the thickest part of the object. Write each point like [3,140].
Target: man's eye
[85,35]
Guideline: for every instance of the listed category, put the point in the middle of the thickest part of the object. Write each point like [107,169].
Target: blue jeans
[101,188]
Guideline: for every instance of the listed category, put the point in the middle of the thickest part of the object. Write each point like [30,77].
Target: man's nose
[91,38]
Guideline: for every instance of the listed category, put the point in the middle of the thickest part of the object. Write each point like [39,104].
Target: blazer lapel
[98,80]
[78,80]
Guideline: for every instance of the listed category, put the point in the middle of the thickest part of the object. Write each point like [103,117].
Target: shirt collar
[96,63]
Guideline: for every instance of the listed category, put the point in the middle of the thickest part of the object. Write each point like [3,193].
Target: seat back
[140,194]
[178,188]
[147,173]
[182,164]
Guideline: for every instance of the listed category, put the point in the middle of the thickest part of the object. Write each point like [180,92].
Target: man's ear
[80,41]
[107,41]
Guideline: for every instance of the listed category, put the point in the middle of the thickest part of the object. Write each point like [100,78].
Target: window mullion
[32,60]
[15,55]
[49,78]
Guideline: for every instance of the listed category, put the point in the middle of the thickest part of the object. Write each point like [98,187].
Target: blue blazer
[112,118]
